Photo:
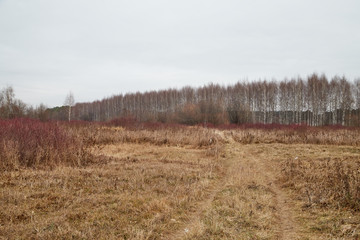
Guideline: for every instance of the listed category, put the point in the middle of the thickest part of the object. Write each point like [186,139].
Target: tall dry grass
[138,191]
[192,136]
[298,136]
[32,143]
[325,181]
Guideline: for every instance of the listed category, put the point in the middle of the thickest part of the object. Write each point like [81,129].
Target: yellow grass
[140,191]
[180,184]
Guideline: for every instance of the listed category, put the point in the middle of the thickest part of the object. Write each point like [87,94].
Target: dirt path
[247,165]
[193,223]
[195,218]
[286,225]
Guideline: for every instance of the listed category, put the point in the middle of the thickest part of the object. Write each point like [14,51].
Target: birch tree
[69,103]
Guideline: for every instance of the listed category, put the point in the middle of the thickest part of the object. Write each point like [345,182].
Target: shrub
[32,143]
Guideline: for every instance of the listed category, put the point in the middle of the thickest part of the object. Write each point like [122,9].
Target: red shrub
[31,143]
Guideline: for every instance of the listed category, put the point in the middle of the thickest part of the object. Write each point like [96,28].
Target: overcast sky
[99,48]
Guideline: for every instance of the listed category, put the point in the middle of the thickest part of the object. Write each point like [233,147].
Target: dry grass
[189,183]
[326,181]
[193,136]
[349,137]
[260,201]
[322,182]
[244,206]
[136,191]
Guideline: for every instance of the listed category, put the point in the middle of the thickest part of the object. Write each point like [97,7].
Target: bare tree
[69,102]
[314,100]
[10,107]
[357,100]
[346,100]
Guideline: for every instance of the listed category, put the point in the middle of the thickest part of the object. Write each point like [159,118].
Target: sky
[97,49]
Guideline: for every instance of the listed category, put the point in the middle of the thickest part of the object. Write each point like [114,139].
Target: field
[107,182]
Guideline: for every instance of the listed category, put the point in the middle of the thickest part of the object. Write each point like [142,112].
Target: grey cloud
[100,48]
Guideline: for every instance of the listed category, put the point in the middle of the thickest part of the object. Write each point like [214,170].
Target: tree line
[315,100]
[11,107]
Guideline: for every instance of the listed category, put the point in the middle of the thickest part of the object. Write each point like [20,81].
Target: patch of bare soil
[287,225]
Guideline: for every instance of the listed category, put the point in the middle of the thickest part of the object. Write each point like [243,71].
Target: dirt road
[246,203]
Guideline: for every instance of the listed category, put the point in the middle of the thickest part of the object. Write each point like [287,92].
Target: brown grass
[189,183]
[193,136]
[134,191]
[300,136]
[325,181]
[243,207]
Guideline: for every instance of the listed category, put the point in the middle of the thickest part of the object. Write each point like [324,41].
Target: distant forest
[314,101]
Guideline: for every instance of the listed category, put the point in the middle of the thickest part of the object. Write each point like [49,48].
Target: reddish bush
[31,143]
